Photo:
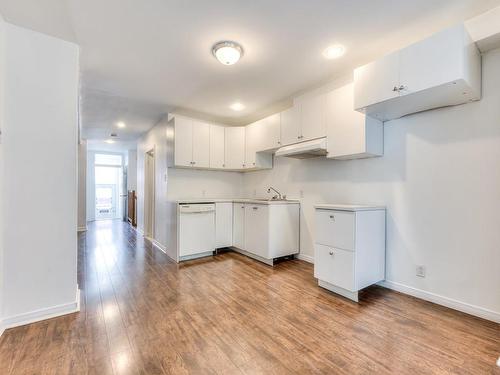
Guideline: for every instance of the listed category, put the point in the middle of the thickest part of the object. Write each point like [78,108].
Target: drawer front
[335,266]
[335,229]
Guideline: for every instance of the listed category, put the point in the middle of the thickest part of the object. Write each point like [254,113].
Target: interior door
[201,144]
[183,139]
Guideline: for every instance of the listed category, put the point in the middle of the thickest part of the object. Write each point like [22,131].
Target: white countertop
[348,207]
[234,200]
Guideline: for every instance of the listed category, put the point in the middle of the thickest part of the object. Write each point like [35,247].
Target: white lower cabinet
[239,225]
[349,250]
[223,225]
[266,231]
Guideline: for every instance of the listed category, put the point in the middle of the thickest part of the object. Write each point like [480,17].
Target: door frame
[149,192]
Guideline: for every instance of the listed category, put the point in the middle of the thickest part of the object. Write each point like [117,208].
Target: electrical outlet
[420,271]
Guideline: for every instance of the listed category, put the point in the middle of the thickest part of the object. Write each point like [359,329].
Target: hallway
[142,313]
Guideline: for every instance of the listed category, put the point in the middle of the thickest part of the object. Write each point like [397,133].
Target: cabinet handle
[401,88]
[194,162]
[223,165]
[331,252]
[255,208]
[395,89]
[253,163]
[332,217]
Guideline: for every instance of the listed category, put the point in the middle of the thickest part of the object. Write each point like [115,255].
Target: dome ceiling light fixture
[227,52]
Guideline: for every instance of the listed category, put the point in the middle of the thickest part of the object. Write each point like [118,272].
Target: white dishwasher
[196,230]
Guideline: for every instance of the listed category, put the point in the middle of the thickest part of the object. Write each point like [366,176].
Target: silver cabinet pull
[331,253]
[402,87]
[255,208]
[395,89]
[332,217]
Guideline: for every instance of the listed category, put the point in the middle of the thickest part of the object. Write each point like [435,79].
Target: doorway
[108,186]
[149,193]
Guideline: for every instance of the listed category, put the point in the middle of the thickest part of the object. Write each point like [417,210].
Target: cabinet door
[312,118]
[201,144]
[235,147]
[183,139]
[270,138]
[217,145]
[223,225]
[375,82]
[256,229]
[290,120]
[433,61]
[252,138]
[239,225]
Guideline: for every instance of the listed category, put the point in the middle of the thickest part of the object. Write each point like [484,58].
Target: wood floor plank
[142,313]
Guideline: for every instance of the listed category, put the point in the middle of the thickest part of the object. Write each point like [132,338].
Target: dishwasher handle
[197,208]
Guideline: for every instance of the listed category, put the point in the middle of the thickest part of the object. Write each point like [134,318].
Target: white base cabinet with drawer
[349,250]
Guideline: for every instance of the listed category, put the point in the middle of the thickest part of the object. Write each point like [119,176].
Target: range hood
[304,150]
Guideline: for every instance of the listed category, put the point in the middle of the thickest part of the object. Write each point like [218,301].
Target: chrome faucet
[276,191]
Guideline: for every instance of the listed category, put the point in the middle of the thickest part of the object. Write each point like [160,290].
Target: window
[108,159]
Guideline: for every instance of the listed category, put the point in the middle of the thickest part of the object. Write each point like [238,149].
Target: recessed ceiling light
[227,52]
[121,125]
[334,51]
[237,106]
[110,141]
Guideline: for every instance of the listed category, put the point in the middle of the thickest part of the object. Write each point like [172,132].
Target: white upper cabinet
[201,144]
[183,152]
[271,137]
[312,118]
[439,71]
[235,147]
[217,146]
[377,81]
[290,126]
[253,136]
[192,143]
[351,135]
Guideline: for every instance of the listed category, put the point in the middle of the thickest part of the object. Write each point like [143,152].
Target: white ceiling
[142,58]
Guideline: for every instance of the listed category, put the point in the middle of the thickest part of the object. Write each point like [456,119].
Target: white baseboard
[158,245]
[42,314]
[443,301]
[2,328]
[306,258]
[82,229]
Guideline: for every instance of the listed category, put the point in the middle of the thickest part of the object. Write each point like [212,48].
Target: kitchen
[309,187]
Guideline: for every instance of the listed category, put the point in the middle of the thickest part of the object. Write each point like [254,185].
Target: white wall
[39,135]
[82,185]
[132,170]
[153,139]
[2,53]
[440,181]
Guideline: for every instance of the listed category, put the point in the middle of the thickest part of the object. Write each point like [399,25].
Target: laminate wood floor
[143,314]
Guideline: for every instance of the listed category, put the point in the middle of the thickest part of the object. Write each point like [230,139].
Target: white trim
[306,258]
[443,301]
[82,229]
[140,231]
[338,290]
[2,328]
[158,245]
[42,314]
